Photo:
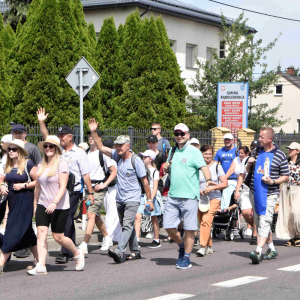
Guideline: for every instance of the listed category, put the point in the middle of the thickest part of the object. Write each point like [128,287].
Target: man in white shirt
[100,181]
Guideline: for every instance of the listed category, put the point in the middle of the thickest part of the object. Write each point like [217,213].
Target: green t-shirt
[185,167]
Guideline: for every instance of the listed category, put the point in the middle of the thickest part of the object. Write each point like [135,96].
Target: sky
[287,49]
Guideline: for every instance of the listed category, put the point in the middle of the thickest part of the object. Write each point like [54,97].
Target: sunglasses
[252,148]
[154,128]
[48,146]
[179,133]
[12,149]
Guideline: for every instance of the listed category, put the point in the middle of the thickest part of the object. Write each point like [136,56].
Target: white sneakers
[203,251]
[38,270]
[80,261]
[106,243]
[209,250]
[83,246]
[150,235]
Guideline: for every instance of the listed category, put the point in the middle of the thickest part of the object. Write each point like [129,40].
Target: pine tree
[8,39]
[1,23]
[120,34]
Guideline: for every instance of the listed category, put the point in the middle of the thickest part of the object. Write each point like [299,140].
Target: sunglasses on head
[152,128]
[48,146]
[179,133]
[12,149]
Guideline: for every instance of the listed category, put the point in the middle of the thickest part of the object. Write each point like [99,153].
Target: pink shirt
[50,187]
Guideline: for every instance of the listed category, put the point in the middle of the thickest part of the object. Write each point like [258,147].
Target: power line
[256,12]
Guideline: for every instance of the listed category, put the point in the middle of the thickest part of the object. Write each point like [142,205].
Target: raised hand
[93,124]
[41,114]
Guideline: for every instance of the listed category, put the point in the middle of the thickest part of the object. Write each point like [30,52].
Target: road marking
[239,281]
[173,297]
[294,268]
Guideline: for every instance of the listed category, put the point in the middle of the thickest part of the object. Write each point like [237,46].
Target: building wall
[181,31]
[291,103]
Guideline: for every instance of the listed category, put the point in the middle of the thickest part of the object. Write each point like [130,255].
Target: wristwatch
[274,183]
[208,180]
[90,193]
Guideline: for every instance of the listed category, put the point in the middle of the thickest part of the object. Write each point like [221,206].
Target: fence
[138,136]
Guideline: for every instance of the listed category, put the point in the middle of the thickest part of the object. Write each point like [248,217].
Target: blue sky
[287,49]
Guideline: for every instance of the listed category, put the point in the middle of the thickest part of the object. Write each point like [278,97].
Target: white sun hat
[19,143]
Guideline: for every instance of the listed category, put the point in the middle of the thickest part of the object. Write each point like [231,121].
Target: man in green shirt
[184,193]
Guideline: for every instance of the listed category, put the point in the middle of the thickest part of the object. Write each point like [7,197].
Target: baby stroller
[226,222]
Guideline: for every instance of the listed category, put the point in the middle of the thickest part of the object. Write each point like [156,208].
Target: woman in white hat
[20,181]
[288,222]
[51,201]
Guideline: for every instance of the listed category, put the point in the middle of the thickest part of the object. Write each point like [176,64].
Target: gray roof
[295,80]
[170,7]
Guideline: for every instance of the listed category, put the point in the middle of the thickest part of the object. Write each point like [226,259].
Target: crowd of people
[186,184]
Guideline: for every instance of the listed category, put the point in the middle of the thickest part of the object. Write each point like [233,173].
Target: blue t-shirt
[128,185]
[226,157]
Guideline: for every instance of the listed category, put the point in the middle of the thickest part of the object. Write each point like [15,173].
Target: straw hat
[19,143]
[51,139]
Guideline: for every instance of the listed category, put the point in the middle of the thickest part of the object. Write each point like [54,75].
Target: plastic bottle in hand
[148,207]
[88,203]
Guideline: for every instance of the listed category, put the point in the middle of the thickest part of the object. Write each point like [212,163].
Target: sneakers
[150,235]
[22,253]
[154,245]
[115,256]
[38,270]
[181,255]
[270,254]
[255,257]
[184,263]
[249,231]
[103,241]
[62,258]
[209,250]
[201,252]
[106,244]
[196,241]
[80,261]
[84,247]
[253,240]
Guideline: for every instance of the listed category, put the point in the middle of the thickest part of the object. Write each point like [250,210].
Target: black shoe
[154,245]
[62,258]
[196,242]
[115,256]
[253,240]
[22,253]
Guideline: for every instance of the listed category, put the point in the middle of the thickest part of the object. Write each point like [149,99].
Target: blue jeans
[127,212]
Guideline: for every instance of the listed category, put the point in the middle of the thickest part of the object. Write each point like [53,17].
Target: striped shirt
[279,167]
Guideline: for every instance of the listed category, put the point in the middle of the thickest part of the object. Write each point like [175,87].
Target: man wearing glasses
[184,193]
[163,143]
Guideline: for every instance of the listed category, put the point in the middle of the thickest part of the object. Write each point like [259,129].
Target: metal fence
[138,136]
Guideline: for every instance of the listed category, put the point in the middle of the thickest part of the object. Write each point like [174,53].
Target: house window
[173,45]
[222,49]
[278,89]
[209,55]
[191,55]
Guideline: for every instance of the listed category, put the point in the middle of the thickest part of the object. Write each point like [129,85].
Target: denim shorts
[181,208]
[142,210]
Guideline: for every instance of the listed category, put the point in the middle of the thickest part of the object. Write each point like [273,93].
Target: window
[278,89]
[191,56]
[209,55]
[222,49]
[173,45]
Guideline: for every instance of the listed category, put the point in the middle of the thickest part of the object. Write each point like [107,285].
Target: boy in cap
[152,143]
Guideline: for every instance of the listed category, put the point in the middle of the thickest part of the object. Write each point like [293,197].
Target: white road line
[294,268]
[173,297]
[239,281]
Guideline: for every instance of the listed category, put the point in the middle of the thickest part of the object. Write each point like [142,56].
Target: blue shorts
[181,208]
[142,210]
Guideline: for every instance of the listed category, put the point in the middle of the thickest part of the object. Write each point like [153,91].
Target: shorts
[142,210]
[181,208]
[98,202]
[245,200]
[264,222]
[57,219]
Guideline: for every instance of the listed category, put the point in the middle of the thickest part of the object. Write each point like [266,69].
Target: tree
[17,12]
[242,55]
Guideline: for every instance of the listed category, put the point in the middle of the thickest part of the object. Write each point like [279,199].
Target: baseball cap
[98,132]
[294,146]
[182,127]
[228,136]
[122,139]
[65,129]
[108,143]
[84,145]
[255,144]
[152,138]
[18,127]
[149,153]
[194,141]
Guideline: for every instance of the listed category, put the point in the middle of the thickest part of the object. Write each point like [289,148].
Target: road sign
[82,78]
[233,105]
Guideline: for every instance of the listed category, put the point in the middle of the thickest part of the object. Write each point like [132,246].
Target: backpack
[247,180]
[71,183]
[106,172]
[164,144]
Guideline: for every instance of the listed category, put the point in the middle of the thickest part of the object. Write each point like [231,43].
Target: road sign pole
[81,103]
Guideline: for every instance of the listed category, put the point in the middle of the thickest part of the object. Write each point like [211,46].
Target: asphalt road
[155,275]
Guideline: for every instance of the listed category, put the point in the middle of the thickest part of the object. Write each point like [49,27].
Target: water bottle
[148,207]
[88,203]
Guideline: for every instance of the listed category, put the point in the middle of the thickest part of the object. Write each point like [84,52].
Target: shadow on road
[242,254]
[168,262]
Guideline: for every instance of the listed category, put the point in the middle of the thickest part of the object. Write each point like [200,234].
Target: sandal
[297,243]
[1,269]
[291,242]
[133,256]
[168,239]
[32,265]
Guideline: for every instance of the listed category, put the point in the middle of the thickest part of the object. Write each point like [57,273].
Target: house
[287,92]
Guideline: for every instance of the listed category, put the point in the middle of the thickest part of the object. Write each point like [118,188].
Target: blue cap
[18,127]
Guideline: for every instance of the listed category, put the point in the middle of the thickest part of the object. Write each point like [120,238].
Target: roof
[295,80]
[170,7]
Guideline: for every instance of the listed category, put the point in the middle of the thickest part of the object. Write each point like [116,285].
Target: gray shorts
[98,202]
[181,208]
[264,222]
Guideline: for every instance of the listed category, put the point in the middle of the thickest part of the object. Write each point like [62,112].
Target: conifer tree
[8,39]
[120,34]
[92,36]
[1,23]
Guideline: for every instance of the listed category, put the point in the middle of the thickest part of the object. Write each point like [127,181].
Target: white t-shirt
[238,165]
[3,164]
[154,176]
[96,171]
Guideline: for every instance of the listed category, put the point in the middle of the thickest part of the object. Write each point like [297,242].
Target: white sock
[271,246]
[157,241]
[138,239]
[84,243]
[259,249]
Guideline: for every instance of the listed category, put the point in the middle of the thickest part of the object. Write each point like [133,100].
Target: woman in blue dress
[20,181]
